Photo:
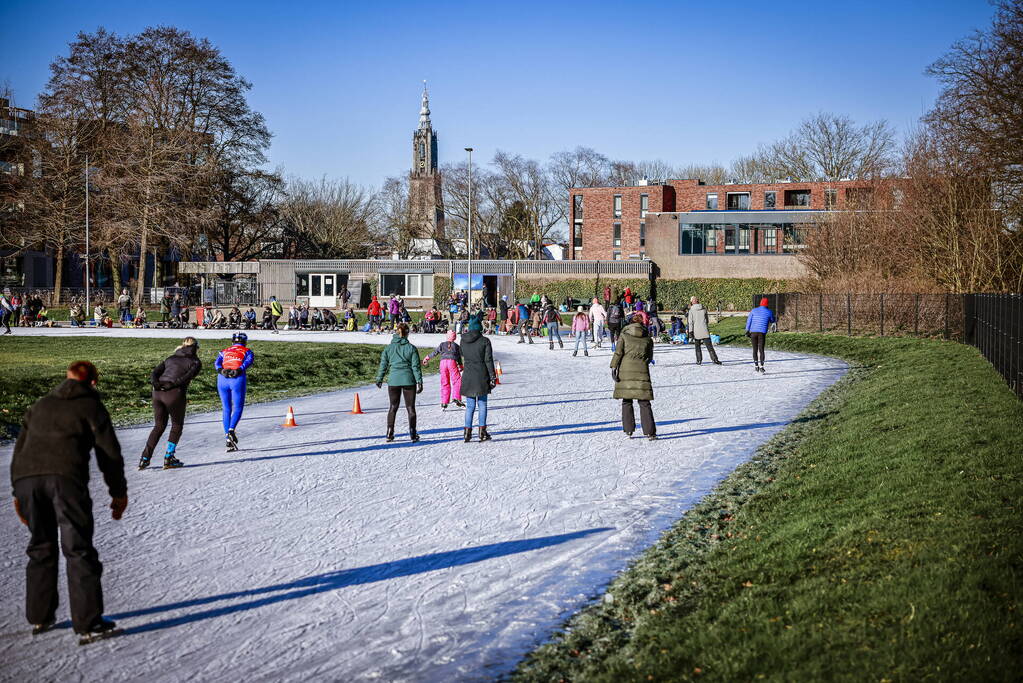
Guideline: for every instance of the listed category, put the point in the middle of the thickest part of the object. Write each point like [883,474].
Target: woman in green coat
[399,362]
[630,368]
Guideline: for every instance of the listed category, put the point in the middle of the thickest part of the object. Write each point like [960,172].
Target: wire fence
[993,323]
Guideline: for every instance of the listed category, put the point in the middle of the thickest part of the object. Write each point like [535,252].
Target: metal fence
[921,315]
[994,324]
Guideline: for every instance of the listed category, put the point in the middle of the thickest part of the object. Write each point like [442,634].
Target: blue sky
[683,81]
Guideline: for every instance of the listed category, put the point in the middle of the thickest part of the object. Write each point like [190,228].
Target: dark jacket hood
[471,336]
[73,388]
[635,330]
[187,351]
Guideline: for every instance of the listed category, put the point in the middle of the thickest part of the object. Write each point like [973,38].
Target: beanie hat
[475,325]
[764,302]
[451,335]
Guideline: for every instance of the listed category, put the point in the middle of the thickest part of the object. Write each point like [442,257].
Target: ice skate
[468,434]
[144,462]
[233,437]
[443,406]
[561,344]
[574,354]
[652,437]
[43,627]
[390,435]
[229,445]
[103,628]
[459,403]
[586,353]
[170,462]
[413,436]
[484,436]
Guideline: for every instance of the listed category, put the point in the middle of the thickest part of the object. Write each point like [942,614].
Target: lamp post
[468,251]
[87,299]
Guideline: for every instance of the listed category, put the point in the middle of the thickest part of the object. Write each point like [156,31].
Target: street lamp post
[87,299]
[469,231]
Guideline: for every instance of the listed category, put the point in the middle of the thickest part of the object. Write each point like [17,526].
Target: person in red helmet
[757,324]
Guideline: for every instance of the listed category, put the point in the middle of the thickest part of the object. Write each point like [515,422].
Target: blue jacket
[760,318]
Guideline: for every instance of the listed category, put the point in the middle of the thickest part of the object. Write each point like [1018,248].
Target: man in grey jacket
[699,331]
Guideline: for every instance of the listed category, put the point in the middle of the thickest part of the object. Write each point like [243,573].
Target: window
[771,240]
[644,205]
[770,200]
[743,239]
[302,284]
[712,240]
[797,199]
[617,235]
[577,239]
[690,239]
[407,284]
[830,198]
[730,239]
[618,206]
[712,200]
[642,234]
[392,283]
[577,207]
[737,201]
[617,256]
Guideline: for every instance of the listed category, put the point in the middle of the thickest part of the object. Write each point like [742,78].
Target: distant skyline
[340,82]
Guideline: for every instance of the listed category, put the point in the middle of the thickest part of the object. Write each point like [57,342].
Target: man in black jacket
[170,380]
[50,476]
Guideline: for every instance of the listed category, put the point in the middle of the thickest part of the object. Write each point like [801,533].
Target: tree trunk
[157,268]
[115,271]
[140,287]
[58,275]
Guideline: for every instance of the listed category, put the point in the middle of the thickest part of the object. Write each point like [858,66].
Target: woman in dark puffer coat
[479,377]
[170,380]
[630,368]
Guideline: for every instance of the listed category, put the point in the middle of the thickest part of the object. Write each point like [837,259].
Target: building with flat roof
[691,229]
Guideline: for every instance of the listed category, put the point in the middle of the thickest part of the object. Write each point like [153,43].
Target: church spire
[424,111]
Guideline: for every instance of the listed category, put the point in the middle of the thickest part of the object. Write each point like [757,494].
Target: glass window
[412,285]
[644,205]
[743,239]
[859,197]
[770,200]
[392,283]
[830,198]
[577,207]
[617,256]
[797,199]
[617,235]
[690,239]
[730,239]
[618,206]
[577,239]
[712,200]
[712,240]
[642,234]
[770,240]
[737,201]
[302,284]
[315,281]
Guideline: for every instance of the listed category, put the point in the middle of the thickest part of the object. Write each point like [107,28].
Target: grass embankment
[879,537]
[31,366]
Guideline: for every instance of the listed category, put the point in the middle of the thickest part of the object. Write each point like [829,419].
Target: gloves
[747,333]
[380,385]
[117,506]
[230,373]
[493,382]
[419,388]
[614,374]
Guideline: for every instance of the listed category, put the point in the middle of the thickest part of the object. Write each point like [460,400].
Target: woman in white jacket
[598,317]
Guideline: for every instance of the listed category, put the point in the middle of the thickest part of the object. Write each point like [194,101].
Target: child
[450,370]
[581,329]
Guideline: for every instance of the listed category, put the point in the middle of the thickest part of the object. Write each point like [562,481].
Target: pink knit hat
[451,335]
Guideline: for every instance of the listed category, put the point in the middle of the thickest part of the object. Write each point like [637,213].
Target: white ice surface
[324,553]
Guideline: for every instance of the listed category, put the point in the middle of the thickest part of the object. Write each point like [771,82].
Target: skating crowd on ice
[50,463]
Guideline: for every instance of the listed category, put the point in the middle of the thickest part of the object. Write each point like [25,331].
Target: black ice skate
[390,435]
[43,627]
[170,462]
[103,628]
[233,437]
[460,404]
[144,462]
[484,436]
[443,406]
[230,444]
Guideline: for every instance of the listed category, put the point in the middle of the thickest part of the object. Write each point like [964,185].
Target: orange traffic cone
[289,420]
[499,370]
[357,408]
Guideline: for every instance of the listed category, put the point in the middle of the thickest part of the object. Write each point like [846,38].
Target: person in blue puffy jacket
[757,324]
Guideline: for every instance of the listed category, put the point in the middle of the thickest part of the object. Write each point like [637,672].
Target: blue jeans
[471,402]
[553,332]
[582,336]
[232,396]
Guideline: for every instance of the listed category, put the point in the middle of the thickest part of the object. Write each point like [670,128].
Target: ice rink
[322,552]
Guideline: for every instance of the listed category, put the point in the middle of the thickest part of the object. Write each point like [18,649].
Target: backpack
[614,316]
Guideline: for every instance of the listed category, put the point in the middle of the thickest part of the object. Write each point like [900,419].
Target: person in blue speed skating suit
[232,364]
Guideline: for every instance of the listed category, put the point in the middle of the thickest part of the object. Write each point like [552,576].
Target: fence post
[820,310]
[848,314]
[946,315]
[796,296]
[882,315]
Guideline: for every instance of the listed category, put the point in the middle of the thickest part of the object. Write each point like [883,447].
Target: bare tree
[246,221]
[529,184]
[327,219]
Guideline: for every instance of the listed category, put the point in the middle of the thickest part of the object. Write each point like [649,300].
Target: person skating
[450,370]
[233,363]
[630,369]
[50,476]
[525,328]
[581,328]
[479,377]
[276,311]
[170,380]
[375,311]
[399,364]
[552,319]
[699,331]
[758,322]
[598,321]
[615,319]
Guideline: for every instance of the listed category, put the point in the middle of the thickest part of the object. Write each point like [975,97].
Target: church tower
[425,178]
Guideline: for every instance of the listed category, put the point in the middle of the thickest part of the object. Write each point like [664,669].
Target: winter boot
[522,341]
[414,436]
[170,462]
[552,345]
[483,434]
[459,403]
[561,344]
[586,353]
[651,437]
[144,462]
[530,340]
[390,435]
[468,434]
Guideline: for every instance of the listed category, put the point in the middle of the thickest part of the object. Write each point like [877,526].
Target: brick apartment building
[695,230]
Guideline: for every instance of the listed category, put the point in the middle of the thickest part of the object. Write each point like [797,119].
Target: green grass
[879,537]
[31,366]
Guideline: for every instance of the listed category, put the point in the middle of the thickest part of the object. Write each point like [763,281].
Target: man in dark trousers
[50,475]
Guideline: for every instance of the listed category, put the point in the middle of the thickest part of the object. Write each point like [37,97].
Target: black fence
[994,324]
[991,322]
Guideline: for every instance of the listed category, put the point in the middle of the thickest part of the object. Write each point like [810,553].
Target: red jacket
[374,307]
